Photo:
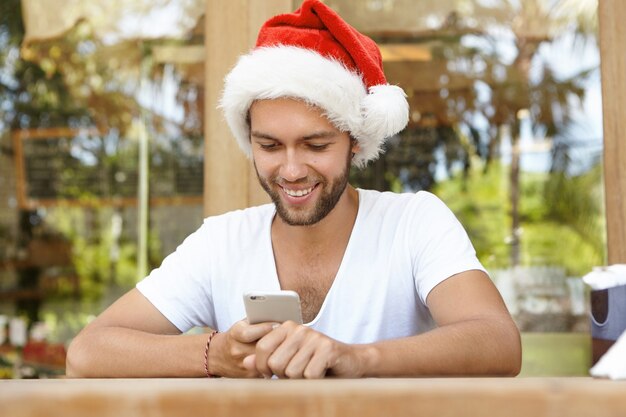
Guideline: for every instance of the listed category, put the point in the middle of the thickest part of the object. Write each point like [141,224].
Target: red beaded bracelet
[206,354]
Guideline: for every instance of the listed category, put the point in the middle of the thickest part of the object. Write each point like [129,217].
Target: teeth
[298,193]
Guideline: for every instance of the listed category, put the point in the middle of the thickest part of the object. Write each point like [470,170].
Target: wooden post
[612,14]
[231,29]
[613,65]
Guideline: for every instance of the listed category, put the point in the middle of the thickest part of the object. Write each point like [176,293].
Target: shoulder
[251,217]
[419,214]
[387,200]
[237,230]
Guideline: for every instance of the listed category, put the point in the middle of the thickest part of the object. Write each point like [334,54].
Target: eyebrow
[316,135]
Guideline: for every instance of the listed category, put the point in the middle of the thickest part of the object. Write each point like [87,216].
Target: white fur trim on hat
[288,71]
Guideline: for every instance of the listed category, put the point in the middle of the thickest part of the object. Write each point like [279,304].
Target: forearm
[117,352]
[473,347]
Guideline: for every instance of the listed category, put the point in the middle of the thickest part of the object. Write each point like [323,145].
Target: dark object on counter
[608,319]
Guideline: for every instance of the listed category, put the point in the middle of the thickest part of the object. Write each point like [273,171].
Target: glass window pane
[80,95]
[506,127]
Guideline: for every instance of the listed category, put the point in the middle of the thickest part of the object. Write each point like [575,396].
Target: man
[390,284]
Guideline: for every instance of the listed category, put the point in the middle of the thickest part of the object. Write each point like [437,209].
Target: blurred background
[102,150]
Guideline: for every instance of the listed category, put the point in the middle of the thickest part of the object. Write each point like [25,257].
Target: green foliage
[576,201]
[101,259]
[479,200]
[548,243]
[554,231]
[32,94]
[75,81]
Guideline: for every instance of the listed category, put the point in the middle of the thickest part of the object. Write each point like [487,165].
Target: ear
[355,146]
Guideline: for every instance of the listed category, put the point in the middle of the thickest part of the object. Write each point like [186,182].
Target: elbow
[501,350]
[515,364]
[512,368]
[511,344]
[77,359]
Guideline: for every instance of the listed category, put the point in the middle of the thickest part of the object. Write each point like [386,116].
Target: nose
[293,167]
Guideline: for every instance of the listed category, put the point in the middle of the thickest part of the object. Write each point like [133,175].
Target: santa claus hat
[315,56]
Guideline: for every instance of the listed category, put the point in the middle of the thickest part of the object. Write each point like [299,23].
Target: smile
[298,193]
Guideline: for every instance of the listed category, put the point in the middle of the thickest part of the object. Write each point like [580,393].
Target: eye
[318,146]
[268,146]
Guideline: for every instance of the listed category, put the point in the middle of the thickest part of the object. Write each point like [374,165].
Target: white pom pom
[385,112]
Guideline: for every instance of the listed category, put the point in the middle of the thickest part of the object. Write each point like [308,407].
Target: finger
[249,362]
[316,367]
[267,346]
[264,349]
[249,333]
[299,361]
[276,350]
[279,360]
[321,360]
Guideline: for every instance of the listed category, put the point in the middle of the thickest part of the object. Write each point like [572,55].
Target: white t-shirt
[401,247]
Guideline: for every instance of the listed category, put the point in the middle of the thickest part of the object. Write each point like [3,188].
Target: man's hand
[296,351]
[228,349]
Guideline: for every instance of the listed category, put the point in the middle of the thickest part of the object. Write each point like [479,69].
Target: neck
[337,223]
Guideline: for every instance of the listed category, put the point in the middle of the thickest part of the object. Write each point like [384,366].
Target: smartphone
[278,306]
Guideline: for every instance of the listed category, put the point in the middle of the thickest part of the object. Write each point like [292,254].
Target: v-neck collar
[275,282]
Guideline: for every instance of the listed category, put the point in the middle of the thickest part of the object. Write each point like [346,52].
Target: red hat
[314,55]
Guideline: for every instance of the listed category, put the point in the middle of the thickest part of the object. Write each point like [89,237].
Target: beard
[331,192]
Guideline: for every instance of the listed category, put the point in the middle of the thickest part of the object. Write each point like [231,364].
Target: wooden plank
[424,76]
[231,28]
[28,188]
[179,54]
[405,52]
[225,167]
[419,397]
[32,204]
[612,14]
[54,132]
[20,170]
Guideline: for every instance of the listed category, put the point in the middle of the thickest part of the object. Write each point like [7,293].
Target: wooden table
[441,397]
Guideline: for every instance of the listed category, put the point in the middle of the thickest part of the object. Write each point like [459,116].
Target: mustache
[310,180]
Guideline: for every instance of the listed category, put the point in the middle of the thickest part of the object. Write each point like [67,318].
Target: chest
[362,300]
[310,278]
[366,277]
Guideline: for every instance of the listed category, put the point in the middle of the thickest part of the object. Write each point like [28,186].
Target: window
[506,128]
[102,155]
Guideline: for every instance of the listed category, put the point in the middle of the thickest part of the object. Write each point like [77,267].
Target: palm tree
[492,72]
[535,22]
